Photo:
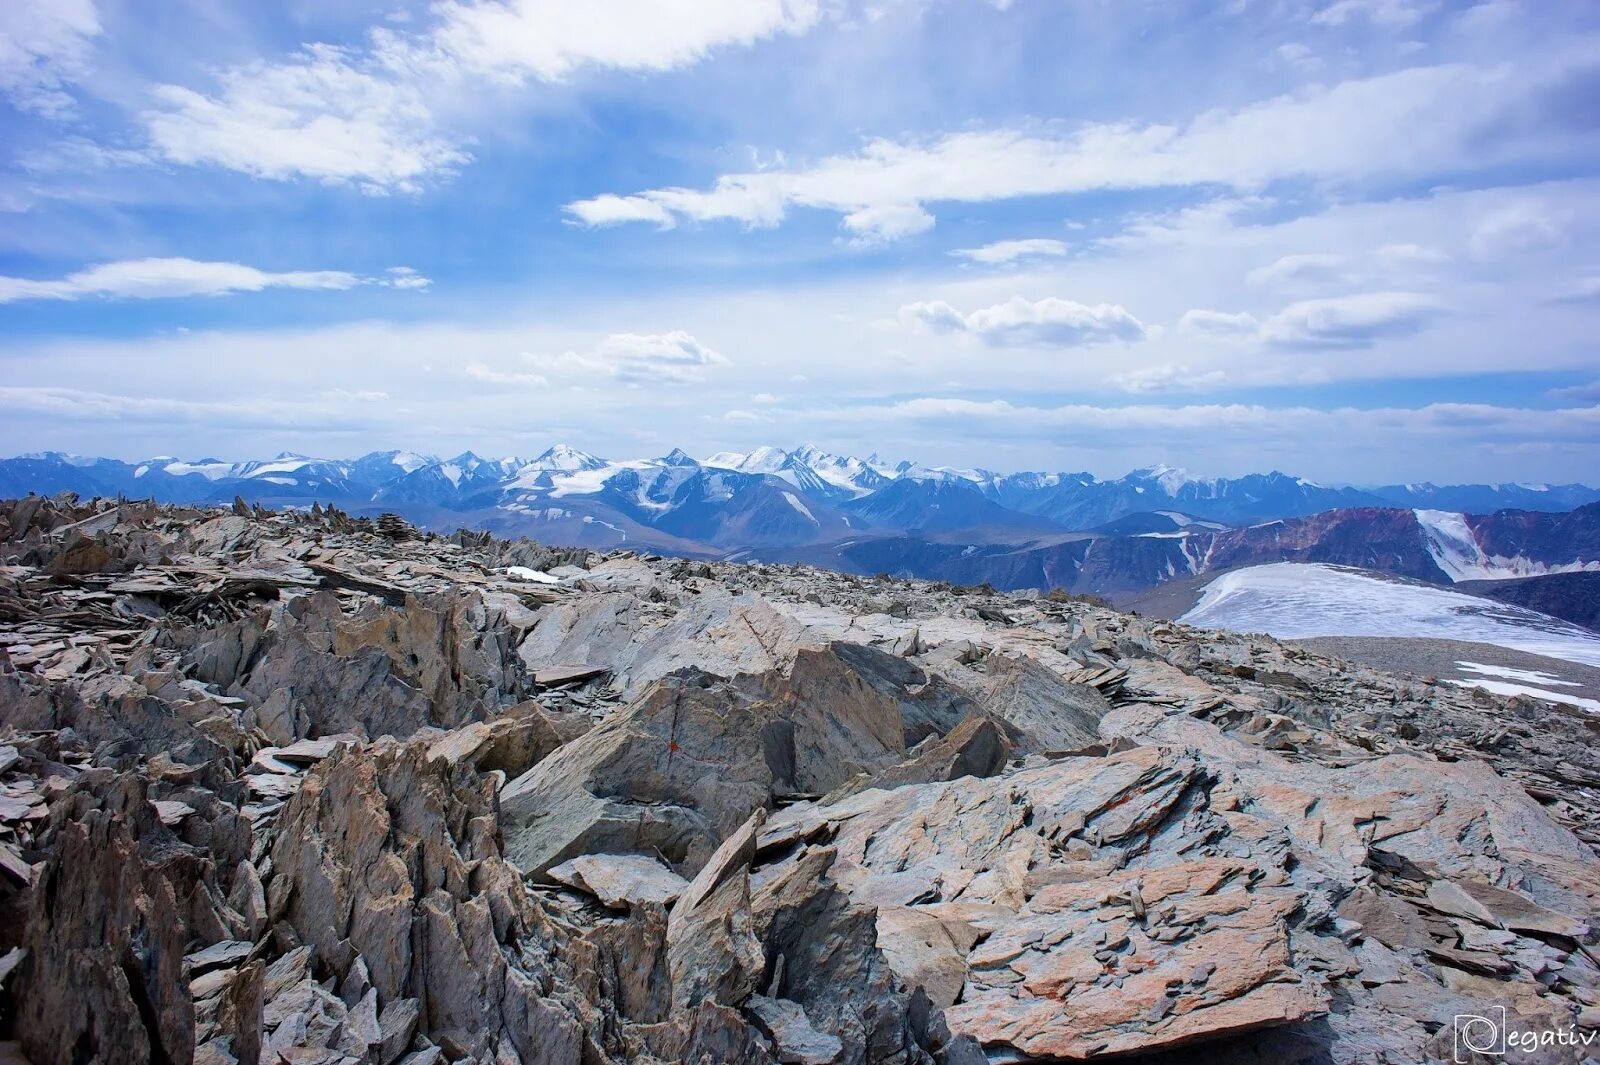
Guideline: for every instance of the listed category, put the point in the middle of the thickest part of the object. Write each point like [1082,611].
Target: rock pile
[303,788]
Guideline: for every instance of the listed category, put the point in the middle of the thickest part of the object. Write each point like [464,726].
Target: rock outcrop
[301,788]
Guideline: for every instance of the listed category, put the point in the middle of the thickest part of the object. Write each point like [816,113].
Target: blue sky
[1353,239]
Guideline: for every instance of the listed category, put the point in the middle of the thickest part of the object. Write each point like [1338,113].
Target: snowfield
[1296,600]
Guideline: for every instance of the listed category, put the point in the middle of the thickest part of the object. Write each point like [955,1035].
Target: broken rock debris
[301,787]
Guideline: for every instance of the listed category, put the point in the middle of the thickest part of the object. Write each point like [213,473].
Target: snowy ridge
[1456,551]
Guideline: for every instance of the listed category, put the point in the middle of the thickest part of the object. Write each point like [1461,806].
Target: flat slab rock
[549,676]
[620,880]
[1080,974]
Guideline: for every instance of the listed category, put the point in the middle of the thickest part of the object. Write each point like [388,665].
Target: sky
[1354,240]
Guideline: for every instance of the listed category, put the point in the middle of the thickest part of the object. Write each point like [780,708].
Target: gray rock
[786,1024]
[713,952]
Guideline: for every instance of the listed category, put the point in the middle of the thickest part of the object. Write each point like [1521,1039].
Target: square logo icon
[1480,1035]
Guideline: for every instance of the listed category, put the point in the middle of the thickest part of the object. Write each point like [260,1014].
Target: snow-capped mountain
[870,515]
[1486,498]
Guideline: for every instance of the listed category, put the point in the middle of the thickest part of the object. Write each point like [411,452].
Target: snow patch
[538,576]
[1526,676]
[801,507]
[1500,687]
[1294,600]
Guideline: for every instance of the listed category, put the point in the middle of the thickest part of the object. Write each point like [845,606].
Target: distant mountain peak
[565,458]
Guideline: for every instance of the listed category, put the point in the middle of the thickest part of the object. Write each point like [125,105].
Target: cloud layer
[172,278]
[1394,124]
[634,359]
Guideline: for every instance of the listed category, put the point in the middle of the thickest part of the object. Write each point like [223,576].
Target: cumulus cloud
[627,358]
[368,116]
[1020,322]
[1358,321]
[1412,121]
[1009,251]
[170,278]
[45,45]
[1206,323]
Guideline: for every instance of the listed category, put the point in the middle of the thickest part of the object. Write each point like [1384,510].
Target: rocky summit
[305,788]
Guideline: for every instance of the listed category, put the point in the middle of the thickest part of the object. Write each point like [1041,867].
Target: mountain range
[868,515]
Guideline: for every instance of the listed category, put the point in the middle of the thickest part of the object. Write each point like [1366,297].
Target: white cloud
[1168,378]
[612,210]
[551,39]
[44,46]
[370,117]
[404,277]
[1298,55]
[326,114]
[169,278]
[1389,14]
[480,372]
[1048,322]
[1413,121]
[1357,321]
[886,222]
[1300,270]
[1008,251]
[628,358]
[1205,323]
